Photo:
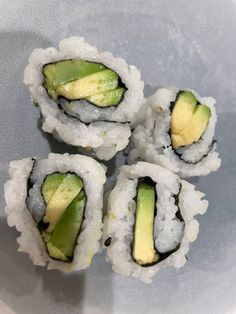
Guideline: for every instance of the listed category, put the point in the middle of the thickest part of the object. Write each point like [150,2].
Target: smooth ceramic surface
[182,43]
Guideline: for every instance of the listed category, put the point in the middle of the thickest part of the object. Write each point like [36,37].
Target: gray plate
[183,43]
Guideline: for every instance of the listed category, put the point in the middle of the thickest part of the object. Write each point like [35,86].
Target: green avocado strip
[62,72]
[51,184]
[107,98]
[64,237]
[65,200]
[63,196]
[189,120]
[79,79]
[144,251]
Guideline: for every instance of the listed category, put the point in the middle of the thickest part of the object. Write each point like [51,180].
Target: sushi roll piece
[87,97]
[150,220]
[56,205]
[175,129]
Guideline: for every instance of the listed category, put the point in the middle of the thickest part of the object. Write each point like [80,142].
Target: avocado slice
[144,252]
[183,111]
[89,85]
[55,253]
[51,184]
[64,195]
[195,128]
[108,98]
[62,72]
[64,237]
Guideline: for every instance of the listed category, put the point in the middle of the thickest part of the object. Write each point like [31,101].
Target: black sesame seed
[107,242]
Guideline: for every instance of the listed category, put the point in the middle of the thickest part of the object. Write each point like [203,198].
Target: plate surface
[174,43]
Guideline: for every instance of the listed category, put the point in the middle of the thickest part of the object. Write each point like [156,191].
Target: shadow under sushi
[113,168]
[22,284]
[14,264]
[16,268]
[86,290]
[55,146]
[64,288]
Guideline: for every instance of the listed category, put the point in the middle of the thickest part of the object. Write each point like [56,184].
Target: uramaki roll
[150,220]
[87,97]
[56,205]
[175,129]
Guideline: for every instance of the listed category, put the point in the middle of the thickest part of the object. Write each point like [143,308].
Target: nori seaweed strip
[176,197]
[154,128]
[42,225]
[163,256]
[30,183]
[211,146]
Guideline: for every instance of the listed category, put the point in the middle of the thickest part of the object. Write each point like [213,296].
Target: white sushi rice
[151,141]
[169,231]
[110,136]
[18,214]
